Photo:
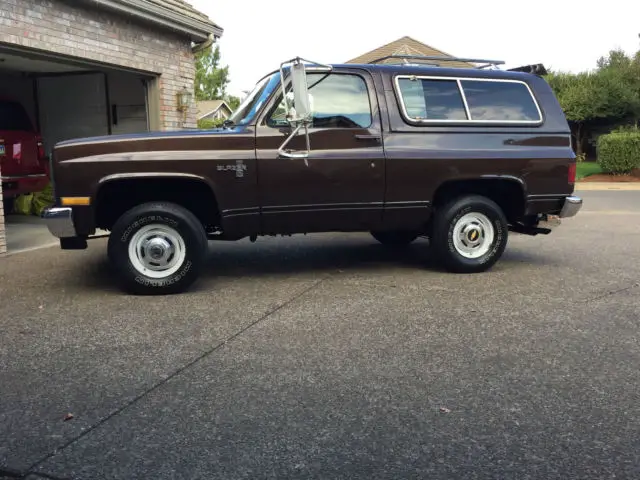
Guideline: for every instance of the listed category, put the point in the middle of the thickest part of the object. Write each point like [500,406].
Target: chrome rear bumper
[60,222]
[571,207]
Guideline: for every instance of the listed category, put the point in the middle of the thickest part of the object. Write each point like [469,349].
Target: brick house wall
[3,238]
[59,27]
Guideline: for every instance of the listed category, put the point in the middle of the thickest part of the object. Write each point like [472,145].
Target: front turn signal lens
[75,201]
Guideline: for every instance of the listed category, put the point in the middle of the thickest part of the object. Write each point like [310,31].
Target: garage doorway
[61,99]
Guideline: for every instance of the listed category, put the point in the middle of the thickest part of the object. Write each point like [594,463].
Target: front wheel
[469,234]
[157,248]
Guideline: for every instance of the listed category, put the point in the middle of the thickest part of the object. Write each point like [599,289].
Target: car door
[340,185]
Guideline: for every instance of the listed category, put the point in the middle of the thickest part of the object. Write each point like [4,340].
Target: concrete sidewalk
[594,186]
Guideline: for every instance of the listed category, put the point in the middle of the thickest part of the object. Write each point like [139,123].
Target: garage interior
[65,100]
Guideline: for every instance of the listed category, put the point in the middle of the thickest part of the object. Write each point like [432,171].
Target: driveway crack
[613,292]
[173,375]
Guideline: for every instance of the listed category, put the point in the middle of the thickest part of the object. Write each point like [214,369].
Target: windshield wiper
[228,123]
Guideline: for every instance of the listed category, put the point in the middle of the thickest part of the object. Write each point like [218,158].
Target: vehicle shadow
[279,258]
[284,257]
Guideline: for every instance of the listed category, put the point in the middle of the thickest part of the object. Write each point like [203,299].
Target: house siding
[59,27]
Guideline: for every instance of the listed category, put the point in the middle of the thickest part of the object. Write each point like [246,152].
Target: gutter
[199,31]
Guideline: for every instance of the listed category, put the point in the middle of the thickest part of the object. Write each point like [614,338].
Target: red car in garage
[23,164]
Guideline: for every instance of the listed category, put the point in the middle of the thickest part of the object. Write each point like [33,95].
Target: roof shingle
[183,8]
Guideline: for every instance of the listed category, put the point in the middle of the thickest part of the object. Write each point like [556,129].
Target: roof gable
[407,46]
[207,107]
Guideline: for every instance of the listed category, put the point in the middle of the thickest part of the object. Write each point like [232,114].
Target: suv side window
[500,101]
[339,101]
[428,99]
[467,100]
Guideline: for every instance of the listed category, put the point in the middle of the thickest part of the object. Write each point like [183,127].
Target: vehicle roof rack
[487,63]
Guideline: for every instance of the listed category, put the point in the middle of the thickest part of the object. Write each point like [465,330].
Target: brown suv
[461,156]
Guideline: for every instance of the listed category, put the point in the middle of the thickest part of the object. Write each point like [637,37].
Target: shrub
[619,153]
[206,124]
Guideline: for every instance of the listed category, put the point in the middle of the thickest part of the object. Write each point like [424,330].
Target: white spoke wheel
[157,248]
[157,251]
[469,234]
[473,235]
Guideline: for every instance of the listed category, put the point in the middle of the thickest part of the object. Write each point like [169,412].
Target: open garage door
[91,104]
[61,100]
[72,106]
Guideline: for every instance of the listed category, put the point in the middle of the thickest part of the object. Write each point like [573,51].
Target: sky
[564,35]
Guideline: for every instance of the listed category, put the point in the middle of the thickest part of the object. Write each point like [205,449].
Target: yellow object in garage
[22,204]
[42,200]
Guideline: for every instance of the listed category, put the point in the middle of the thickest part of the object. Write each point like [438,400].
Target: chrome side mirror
[300,114]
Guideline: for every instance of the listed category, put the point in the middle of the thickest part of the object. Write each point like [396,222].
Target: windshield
[14,118]
[247,110]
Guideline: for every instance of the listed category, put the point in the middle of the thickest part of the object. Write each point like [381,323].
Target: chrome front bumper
[60,222]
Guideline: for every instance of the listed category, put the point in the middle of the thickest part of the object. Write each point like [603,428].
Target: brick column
[3,238]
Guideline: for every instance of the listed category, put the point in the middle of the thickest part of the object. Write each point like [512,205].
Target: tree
[609,94]
[211,79]
[232,101]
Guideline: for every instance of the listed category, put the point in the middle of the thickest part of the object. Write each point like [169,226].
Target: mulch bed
[634,176]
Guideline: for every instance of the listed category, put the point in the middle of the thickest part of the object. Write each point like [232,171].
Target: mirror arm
[305,154]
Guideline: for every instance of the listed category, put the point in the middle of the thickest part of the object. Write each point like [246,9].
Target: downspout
[198,47]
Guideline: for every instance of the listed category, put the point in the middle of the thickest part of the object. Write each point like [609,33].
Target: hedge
[619,152]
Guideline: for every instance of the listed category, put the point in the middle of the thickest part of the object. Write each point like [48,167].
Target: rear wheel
[469,234]
[157,248]
[396,238]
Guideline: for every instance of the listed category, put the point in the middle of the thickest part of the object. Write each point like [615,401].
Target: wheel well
[508,194]
[116,197]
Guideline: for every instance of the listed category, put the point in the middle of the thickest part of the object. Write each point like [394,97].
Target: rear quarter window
[463,100]
[500,101]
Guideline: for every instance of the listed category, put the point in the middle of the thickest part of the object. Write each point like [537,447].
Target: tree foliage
[211,78]
[609,94]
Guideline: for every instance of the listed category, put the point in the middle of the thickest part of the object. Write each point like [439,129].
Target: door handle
[368,137]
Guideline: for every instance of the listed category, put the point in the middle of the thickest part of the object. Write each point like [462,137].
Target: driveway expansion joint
[164,381]
[613,292]
[8,474]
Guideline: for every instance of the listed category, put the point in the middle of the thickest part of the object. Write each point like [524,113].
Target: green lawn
[584,169]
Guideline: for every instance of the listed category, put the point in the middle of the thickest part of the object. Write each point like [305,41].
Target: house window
[500,101]
[428,99]
[338,101]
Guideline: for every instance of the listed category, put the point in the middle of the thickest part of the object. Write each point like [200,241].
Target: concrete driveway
[26,233]
[327,357]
